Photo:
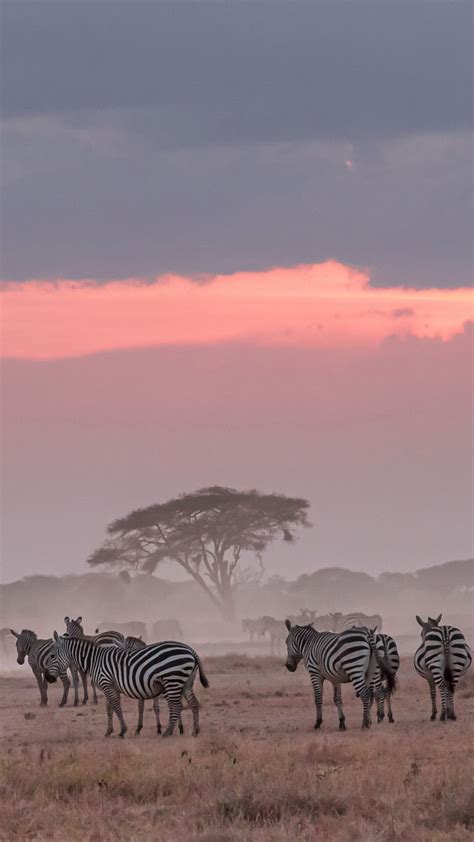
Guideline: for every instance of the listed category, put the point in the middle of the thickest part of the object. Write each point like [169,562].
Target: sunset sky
[236,249]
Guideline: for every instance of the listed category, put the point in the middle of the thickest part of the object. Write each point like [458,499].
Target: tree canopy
[207,532]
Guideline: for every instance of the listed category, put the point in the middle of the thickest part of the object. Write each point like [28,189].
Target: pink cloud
[327,303]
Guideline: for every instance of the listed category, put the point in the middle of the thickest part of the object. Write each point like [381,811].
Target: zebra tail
[383,663]
[202,675]
[449,678]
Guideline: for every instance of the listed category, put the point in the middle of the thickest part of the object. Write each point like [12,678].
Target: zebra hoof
[108,733]
[442,717]
[452,716]
[62,704]
[137,732]
[391,720]
[433,717]
[318,724]
[84,702]
[342,726]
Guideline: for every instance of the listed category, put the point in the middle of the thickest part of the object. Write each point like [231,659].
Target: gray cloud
[142,138]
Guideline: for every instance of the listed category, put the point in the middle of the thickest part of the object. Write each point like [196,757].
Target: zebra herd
[335,622]
[360,655]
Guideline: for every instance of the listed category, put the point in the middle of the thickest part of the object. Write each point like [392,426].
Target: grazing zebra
[133,644]
[380,691]
[356,620]
[168,667]
[443,657]
[254,628]
[38,652]
[74,628]
[340,658]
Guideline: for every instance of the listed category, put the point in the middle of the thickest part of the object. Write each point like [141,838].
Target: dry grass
[258,771]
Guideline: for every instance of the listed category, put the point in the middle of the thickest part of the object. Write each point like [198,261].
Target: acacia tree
[207,533]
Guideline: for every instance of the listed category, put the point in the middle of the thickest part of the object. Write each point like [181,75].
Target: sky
[237,250]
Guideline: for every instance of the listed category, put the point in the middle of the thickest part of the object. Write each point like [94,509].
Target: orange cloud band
[326,303]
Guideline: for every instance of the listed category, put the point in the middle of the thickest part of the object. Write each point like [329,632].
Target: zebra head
[295,644]
[428,625]
[58,660]
[74,627]
[24,642]
[133,644]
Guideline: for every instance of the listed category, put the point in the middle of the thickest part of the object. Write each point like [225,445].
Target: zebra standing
[134,644]
[276,631]
[388,649]
[254,628]
[356,620]
[442,658]
[38,651]
[340,658]
[74,628]
[167,667]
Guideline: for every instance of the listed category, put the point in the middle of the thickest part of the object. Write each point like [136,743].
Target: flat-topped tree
[207,533]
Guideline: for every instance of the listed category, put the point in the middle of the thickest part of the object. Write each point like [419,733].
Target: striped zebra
[74,628]
[134,644]
[441,659]
[350,656]
[254,628]
[38,651]
[380,691]
[356,620]
[167,667]
[276,632]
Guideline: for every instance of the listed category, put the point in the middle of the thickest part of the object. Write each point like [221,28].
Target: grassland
[258,771]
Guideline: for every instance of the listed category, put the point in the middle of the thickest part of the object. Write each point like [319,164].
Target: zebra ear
[55,635]
[419,621]
[14,633]
[79,620]
[374,629]
[67,619]
[438,618]
[288,625]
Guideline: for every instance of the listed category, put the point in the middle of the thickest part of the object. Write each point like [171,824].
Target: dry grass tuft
[257,773]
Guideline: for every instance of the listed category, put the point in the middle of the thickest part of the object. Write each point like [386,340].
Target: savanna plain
[257,771]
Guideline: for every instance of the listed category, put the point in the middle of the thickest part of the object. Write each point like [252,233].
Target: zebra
[167,629]
[356,620]
[38,652]
[74,628]
[134,644]
[276,631]
[133,627]
[167,667]
[325,622]
[254,628]
[340,658]
[442,658]
[304,618]
[388,648]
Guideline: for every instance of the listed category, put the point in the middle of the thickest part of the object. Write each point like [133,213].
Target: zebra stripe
[340,658]
[133,644]
[356,620]
[441,659]
[74,628]
[167,667]
[38,651]
[387,648]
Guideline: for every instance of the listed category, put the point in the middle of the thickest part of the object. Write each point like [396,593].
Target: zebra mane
[30,632]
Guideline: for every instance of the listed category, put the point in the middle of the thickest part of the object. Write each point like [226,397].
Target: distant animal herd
[340,648]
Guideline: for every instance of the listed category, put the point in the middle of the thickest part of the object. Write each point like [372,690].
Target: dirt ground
[257,771]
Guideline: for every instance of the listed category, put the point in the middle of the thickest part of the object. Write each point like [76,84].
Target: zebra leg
[194,705]
[364,694]
[85,693]
[338,703]
[450,704]
[317,681]
[110,718]
[42,686]
[156,708]
[75,684]
[389,706]
[432,687]
[66,685]
[141,707]
[380,698]
[113,698]
[173,697]
[444,701]
[94,693]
